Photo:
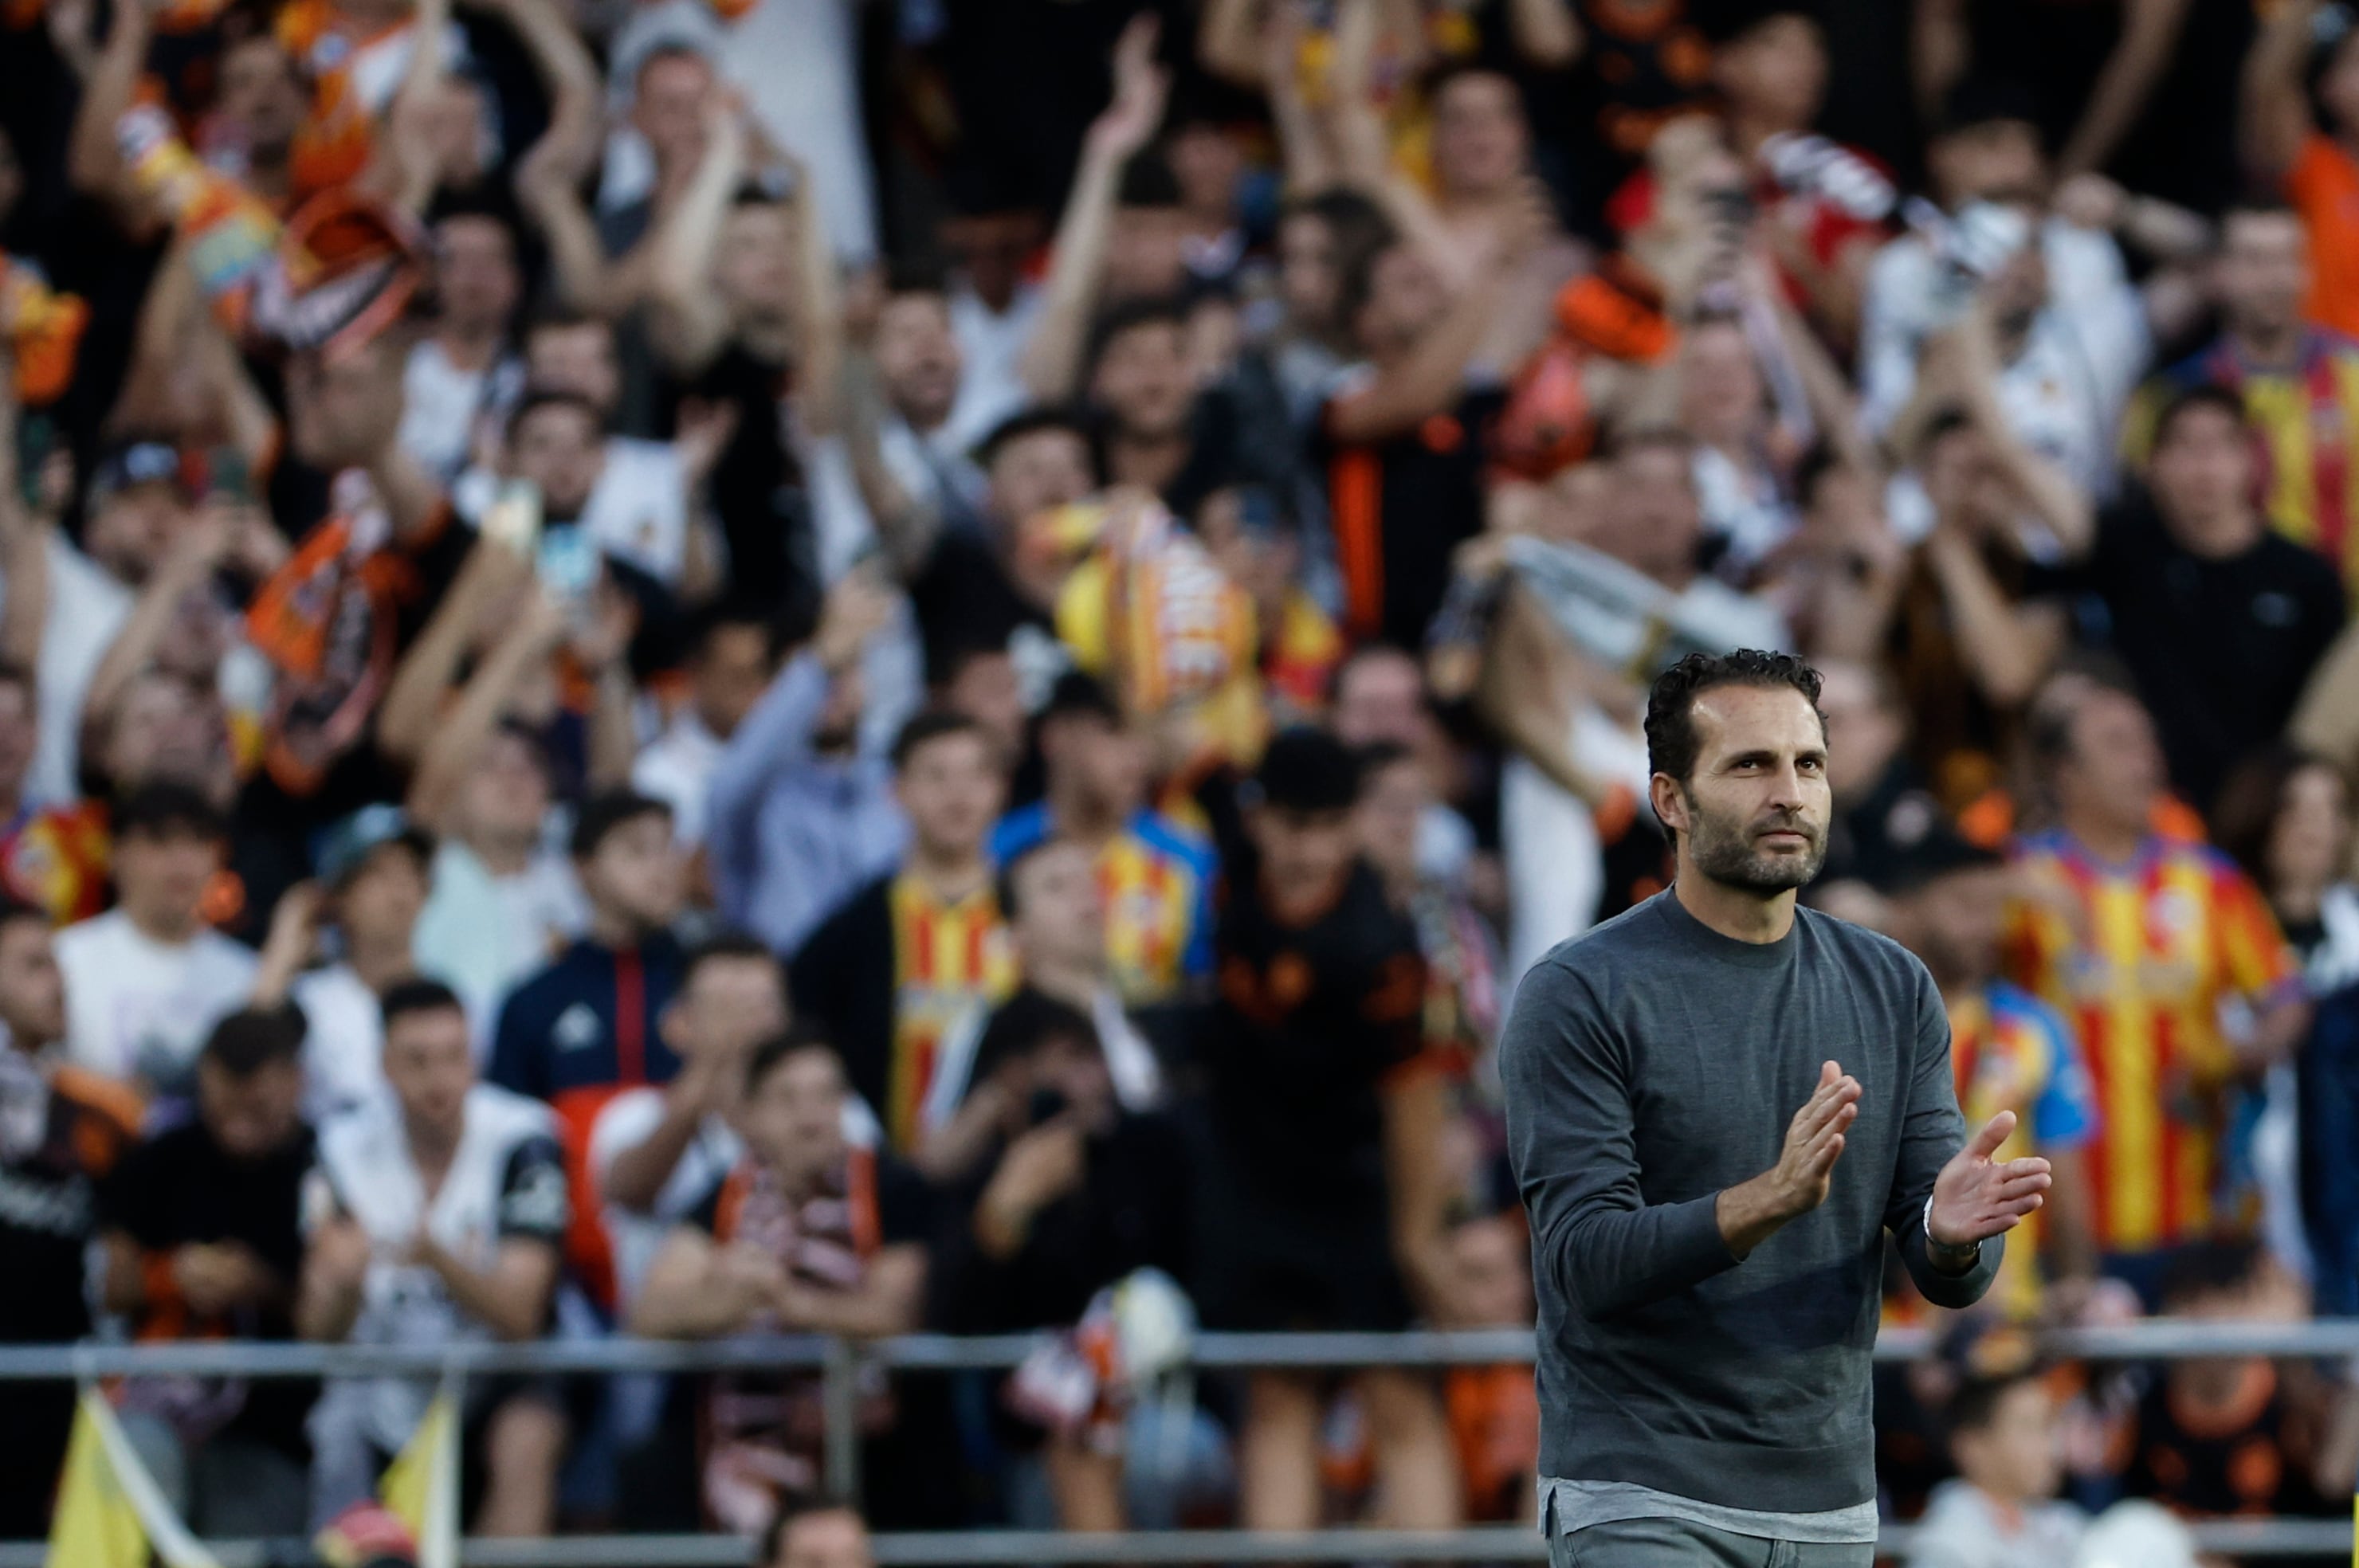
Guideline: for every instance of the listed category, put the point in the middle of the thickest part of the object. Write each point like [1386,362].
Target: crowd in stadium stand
[683,667]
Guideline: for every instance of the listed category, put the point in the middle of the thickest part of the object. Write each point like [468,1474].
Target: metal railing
[839,1363]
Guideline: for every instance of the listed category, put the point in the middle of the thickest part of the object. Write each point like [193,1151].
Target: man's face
[988,691]
[1308,278]
[507,792]
[1263,561]
[1101,761]
[19,734]
[560,448]
[1391,804]
[1146,252]
[753,267]
[1032,474]
[1303,850]
[1778,71]
[918,355]
[1967,483]
[430,1066]
[669,108]
[1379,698]
[952,790]
[475,273]
[835,1539]
[380,904]
[635,872]
[1142,380]
[732,671]
[2310,840]
[1953,923]
[1989,159]
[162,728]
[262,94]
[577,359]
[32,987]
[793,1119]
[1862,734]
[1061,918]
[2201,476]
[1720,383]
[162,876]
[1405,299]
[251,1116]
[2114,768]
[2016,1457]
[1207,164]
[1754,814]
[132,528]
[2263,272]
[730,1006]
[1657,522]
[1480,143]
[342,407]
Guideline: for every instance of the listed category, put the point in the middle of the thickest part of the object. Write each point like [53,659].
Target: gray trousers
[1676,1543]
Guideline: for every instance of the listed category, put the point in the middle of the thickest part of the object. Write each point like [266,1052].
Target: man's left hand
[1976,1198]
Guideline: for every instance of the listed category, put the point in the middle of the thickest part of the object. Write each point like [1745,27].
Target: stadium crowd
[692,666]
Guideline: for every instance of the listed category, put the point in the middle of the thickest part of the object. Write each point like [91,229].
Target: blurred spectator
[1464,1005]
[2221,620]
[1259,543]
[1075,1190]
[589,1026]
[1051,897]
[809,1231]
[2299,382]
[1494,1411]
[1156,877]
[799,817]
[1380,699]
[203,1232]
[1882,807]
[655,1151]
[1323,1205]
[2301,110]
[373,885]
[463,373]
[817,1534]
[2240,1435]
[433,1218]
[902,961]
[2006,1439]
[2010,1052]
[147,981]
[2138,940]
[733,657]
[63,1130]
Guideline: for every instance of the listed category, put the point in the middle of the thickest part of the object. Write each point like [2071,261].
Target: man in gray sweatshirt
[1706,1257]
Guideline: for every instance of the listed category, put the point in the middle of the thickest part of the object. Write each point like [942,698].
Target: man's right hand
[1752,1211]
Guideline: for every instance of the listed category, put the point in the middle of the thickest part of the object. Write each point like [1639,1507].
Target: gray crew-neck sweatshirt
[1649,1063]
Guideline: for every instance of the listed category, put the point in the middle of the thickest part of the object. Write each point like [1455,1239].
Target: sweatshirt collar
[1724,949]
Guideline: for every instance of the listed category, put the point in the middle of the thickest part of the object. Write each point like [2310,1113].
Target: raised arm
[1431,377]
[1545,32]
[819,312]
[689,324]
[1306,150]
[2046,489]
[422,681]
[1052,366]
[1228,39]
[2150,34]
[2273,110]
[1939,51]
[23,540]
[460,738]
[2008,648]
[92,163]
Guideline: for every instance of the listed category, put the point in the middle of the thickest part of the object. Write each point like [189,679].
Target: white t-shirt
[344,1042]
[137,1007]
[626,1122]
[933,469]
[677,769]
[87,609]
[637,512]
[2063,398]
[441,404]
[483,934]
[990,346]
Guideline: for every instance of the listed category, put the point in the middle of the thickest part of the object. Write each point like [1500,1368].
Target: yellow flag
[109,1509]
[421,1486]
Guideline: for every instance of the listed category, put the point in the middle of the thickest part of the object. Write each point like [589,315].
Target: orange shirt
[2323,186]
[2139,957]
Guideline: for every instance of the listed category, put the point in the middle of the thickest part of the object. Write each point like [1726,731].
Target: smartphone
[513,519]
[567,563]
[229,477]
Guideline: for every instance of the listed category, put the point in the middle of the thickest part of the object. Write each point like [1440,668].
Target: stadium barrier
[839,1364]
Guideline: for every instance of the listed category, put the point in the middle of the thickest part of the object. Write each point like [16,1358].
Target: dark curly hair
[1671,743]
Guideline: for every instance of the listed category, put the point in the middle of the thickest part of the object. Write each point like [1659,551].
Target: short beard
[1723,851]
